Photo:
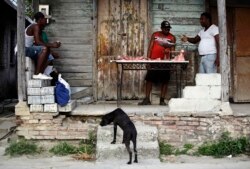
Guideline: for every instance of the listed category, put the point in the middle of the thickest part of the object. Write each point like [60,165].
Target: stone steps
[204,97]
[147,143]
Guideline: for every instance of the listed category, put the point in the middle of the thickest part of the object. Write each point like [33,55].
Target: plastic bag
[62,91]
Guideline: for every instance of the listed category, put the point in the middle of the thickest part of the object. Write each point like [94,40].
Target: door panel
[121,31]
[242,53]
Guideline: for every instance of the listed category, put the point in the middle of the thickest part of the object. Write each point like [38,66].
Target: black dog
[120,118]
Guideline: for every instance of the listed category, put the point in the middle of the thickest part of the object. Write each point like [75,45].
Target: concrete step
[178,105]
[211,79]
[144,134]
[147,143]
[145,150]
[202,92]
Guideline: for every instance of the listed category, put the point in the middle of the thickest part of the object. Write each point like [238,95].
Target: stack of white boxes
[41,96]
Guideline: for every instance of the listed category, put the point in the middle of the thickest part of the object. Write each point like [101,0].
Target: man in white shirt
[208,46]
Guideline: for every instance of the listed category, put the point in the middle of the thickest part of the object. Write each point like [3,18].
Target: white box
[48,90]
[51,108]
[34,100]
[36,108]
[47,99]
[32,91]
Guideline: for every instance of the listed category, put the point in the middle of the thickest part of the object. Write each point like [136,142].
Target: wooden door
[242,55]
[121,31]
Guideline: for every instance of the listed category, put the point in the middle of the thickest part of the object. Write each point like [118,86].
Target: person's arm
[191,40]
[150,46]
[217,61]
[39,41]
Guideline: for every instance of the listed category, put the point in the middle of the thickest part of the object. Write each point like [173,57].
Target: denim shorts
[34,51]
[207,63]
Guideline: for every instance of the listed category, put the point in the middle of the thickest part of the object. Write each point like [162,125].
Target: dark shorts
[158,76]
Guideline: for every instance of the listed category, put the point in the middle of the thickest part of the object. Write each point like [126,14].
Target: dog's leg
[135,151]
[115,130]
[129,152]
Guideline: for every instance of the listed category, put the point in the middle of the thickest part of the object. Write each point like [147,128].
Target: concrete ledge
[212,79]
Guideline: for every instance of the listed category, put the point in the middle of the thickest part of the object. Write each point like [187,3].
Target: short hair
[207,15]
[38,16]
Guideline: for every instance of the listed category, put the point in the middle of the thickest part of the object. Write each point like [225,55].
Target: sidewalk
[184,162]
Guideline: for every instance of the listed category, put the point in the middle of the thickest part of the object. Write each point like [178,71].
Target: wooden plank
[178,7]
[71,27]
[77,12]
[77,76]
[188,2]
[21,50]
[82,48]
[82,82]
[73,62]
[179,21]
[70,33]
[69,40]
[76,69]
[224,59]
[73,6]
[72,19]
[75,54]
[179,14]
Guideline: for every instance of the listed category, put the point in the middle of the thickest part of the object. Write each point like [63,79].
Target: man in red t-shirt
[161,43]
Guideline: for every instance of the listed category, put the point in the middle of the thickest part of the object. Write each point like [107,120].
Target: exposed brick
[193,123]
[45,121]
[169,122]
[33,121]
[171,118]
[48,133]
[189,119]
[181,123]
[33,132]
[42,116]
[186,127]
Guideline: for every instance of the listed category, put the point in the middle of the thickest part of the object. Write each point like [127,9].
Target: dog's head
[106,119]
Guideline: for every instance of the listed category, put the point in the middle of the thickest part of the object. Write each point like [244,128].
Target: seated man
[36,49]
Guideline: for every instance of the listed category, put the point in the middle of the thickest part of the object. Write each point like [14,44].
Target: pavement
[67,162]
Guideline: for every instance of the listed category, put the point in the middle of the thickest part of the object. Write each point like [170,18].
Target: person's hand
[56,44]
[184,38]
[217,61]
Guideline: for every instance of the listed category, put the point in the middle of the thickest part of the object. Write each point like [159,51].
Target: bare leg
[148,88]
[42,58]
[164,89]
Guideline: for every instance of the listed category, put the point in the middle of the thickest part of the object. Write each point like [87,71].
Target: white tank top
[29,40]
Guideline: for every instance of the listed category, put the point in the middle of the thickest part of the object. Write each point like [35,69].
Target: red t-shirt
[157,50]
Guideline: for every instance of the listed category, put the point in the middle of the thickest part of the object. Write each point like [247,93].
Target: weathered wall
[72,25]
[175,129]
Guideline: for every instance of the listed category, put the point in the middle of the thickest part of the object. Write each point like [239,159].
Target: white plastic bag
[61,80]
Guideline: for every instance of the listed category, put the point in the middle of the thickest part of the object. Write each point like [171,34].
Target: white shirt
[29,40]
[207,43]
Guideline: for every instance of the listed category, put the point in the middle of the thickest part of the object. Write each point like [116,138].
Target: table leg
[118,86]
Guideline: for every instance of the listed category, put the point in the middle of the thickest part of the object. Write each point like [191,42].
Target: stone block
[196,92]
[36,108]
[34,91]
[50,108]
[48,90]
[215,92]
[34,100]
[211,79]
[22,109]
[68,108]
[48,99]
[38,83]
[193,105]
